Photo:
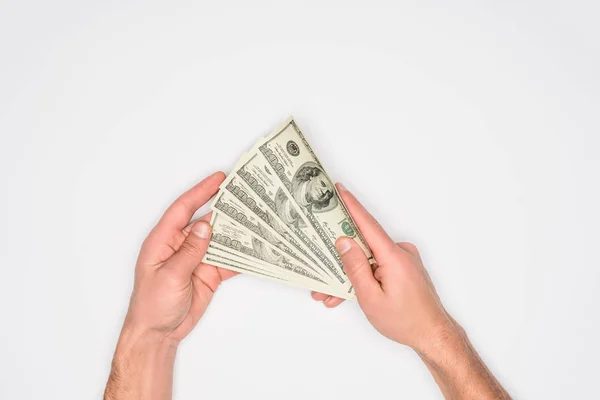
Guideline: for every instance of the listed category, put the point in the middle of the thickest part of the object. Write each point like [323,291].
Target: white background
[470,128]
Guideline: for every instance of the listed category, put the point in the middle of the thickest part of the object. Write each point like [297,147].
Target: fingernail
[342,187]
[343,246]
[202,229]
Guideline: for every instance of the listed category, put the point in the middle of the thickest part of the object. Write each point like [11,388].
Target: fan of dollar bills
[278,215]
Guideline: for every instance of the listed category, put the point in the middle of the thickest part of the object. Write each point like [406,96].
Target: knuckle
[190,248]
[354,263]
[410,247]
[378,274]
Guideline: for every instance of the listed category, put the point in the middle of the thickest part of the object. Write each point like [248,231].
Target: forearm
[142,367]
[457,368]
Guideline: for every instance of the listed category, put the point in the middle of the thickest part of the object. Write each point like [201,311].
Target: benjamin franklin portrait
[311,190]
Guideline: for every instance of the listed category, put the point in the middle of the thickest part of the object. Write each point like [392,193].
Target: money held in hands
[278,215]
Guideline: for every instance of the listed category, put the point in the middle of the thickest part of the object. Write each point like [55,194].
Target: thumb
[192,250]
[358,269]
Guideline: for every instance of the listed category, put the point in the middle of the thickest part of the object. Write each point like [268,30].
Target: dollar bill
[243,265]
[278,215]
[237,266]
[258,211]
[238,240]
[262,180]
[237,255]
[303,177]
[233,207]
[227,261]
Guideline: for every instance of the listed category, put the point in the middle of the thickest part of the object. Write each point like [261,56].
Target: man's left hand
[173,286]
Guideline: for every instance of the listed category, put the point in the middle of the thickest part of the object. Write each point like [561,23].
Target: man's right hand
[400,301]
[396,294]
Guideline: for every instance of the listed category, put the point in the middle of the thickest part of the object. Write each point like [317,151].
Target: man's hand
[171,292]
[399,299]
[172,286]
[396,294]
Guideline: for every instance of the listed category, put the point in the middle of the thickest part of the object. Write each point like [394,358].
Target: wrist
[138,338]
[142,366]
[456,366]
[446,338]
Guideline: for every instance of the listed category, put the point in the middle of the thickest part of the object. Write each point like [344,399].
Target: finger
[192,250]
[319,296]
[409,248]
[357,268]
[377,239]
[333,301]
[206,217]
[178,215]
[226,273]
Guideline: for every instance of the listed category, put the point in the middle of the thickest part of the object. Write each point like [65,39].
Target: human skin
[172,289]
[400,301]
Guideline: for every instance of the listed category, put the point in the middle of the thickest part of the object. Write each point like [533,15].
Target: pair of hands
[173,287]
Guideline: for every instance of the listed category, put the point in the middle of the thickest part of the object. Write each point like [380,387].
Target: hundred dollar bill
[303,177]
[243,205]
[236,265]
[232,208]
[239,241]
[233,263]
[226,259]
[259,177]
[238,256]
